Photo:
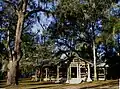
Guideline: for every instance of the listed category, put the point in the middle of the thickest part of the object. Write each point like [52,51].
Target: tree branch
[37,10]
[10,3]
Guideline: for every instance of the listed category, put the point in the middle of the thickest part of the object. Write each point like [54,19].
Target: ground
[28,84]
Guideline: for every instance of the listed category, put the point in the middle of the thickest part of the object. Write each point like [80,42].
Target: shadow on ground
[108,84]
[27,84]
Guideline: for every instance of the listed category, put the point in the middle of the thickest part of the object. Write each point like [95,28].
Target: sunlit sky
[44,20]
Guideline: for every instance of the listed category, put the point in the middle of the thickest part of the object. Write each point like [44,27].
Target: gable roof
[69,59]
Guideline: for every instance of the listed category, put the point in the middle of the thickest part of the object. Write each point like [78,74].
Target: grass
[28,84]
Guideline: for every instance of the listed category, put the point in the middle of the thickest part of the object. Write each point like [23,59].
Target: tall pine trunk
[13,66]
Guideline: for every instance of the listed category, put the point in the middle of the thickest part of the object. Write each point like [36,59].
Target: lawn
[28,84]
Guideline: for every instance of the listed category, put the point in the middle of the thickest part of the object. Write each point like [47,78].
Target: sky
[44,20]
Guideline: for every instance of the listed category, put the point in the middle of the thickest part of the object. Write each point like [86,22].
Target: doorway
[73,72]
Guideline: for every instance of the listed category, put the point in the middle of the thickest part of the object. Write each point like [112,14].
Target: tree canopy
[77,26]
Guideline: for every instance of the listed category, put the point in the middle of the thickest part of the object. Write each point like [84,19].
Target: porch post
[58,74]
[68,74]
[46,74]
[88,78]
[80,78]
[78,73]
[104,69]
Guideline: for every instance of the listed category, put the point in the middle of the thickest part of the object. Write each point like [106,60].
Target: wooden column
[88,76]
[104,69]
[68,74]
[46,74]
[78,79]
[80,72]
[58,72]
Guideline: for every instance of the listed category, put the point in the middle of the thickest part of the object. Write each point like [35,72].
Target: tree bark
[94,51]
[13,66]
[12,74]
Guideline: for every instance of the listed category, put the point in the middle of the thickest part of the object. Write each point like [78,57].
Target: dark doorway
[73,72]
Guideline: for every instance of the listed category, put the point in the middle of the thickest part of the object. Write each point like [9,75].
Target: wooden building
[75,70]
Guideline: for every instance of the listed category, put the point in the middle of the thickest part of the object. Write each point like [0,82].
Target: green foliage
[73,20]
[69,8]
[111,28]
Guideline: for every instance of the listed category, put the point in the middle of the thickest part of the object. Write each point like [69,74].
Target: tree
[76,23]
[111,28]
[23,11]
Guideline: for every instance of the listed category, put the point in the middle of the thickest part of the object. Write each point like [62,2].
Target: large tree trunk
[12,73]
[13,66]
